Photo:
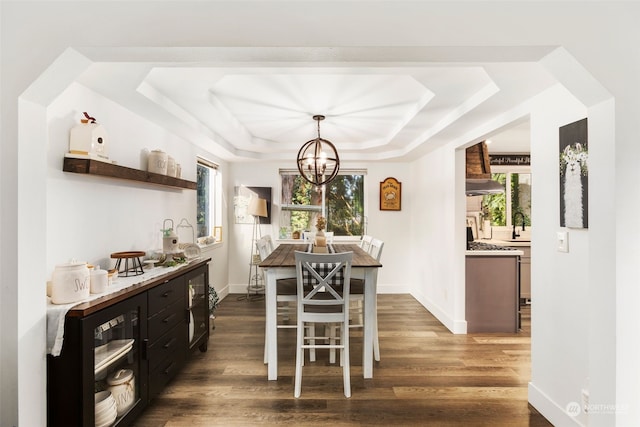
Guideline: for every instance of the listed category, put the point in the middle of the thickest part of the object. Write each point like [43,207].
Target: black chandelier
[318,160]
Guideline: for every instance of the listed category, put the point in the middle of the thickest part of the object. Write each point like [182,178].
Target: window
[207,192]
[341,202]
[500,208]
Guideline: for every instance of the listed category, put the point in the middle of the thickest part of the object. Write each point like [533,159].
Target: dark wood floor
[426,376]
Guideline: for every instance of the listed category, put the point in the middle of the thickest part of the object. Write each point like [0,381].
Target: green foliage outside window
[496,204]
[203,210]
[344,204]
[303,193]
[521,196]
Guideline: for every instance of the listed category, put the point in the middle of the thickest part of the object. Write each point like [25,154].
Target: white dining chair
[285,297]
[270,244]
[323,298]
[357,300]
[365,242]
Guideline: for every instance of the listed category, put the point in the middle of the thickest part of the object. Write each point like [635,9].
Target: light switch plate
[563,241]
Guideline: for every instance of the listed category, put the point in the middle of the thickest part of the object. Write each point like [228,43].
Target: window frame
[214,198]
[508,171]
[322,208]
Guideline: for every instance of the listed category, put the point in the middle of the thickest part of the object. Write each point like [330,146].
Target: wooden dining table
[281,264]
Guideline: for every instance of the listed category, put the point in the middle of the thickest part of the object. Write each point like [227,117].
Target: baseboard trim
[552,412]
[455,326]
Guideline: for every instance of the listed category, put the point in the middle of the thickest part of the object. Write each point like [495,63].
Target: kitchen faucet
[514,234]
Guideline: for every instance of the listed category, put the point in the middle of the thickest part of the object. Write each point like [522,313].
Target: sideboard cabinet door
[97,350]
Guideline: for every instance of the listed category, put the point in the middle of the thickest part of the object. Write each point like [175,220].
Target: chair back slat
[375,249]
[365,242]
[270,244]
[263,248]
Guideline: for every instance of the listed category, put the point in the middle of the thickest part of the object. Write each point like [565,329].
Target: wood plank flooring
[426,376]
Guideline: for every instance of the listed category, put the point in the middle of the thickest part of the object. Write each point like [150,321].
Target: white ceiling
[374,111]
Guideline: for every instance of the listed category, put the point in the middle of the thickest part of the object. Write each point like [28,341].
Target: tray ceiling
[376,111]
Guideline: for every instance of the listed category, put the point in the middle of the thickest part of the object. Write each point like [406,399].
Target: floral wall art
[241,198]
[574,175]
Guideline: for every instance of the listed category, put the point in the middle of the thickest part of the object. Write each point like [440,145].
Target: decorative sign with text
[390,195]
[510,159]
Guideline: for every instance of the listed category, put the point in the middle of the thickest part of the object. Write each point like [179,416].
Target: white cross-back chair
[323,298]
[357,300]
[285,295]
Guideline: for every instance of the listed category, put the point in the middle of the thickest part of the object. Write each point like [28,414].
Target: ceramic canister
[99,281]
[122,387]
[157,162]
[70,283]
[171,166]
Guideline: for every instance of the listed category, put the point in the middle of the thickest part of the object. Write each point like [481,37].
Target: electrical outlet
[585,400]
[563,241]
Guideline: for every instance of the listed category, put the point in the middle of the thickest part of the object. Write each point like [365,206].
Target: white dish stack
[105,410]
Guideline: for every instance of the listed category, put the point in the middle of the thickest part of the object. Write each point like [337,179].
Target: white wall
[559,280]
[390,226]
[438,251]
[89,217]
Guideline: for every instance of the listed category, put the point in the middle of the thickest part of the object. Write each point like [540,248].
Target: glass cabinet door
[116,366]
[117,369]
[198,302]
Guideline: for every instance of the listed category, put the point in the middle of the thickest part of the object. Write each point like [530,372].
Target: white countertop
[511,244]
[514,252]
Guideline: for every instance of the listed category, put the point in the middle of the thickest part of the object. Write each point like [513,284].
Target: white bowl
[103,399]
[105,410]
[107,420]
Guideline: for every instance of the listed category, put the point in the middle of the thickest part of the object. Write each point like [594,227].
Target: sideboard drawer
[161,322]
[173,341]
[164,372]
[165,294]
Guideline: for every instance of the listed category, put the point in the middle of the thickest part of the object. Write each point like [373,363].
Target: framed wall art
[574,175]
[241,198]
[390,195]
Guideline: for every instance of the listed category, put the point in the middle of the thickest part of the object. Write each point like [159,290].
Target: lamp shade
[257,207]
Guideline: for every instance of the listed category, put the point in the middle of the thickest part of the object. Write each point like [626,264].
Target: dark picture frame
[574,175]
[241,203]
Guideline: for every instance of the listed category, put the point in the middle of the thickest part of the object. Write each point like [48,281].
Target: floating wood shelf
[96,167]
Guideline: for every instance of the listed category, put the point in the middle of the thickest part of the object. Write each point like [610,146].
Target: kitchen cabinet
[525,274]
[492,292]
[198,287]
[148,329]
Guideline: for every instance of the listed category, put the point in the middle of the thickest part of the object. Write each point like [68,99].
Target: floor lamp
[257,208]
